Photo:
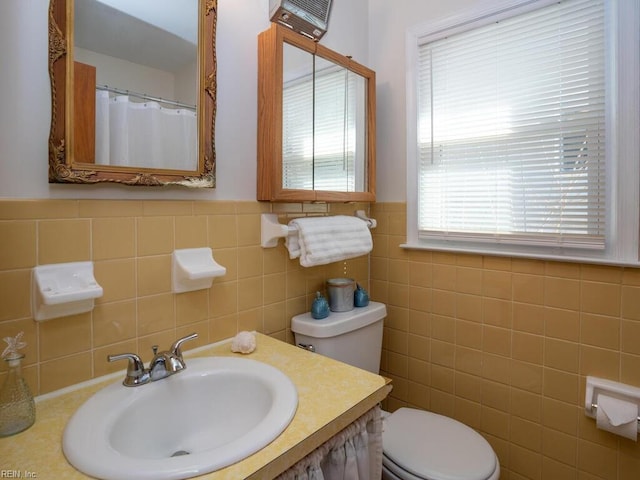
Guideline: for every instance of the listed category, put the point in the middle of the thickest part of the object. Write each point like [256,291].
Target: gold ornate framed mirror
[75,93]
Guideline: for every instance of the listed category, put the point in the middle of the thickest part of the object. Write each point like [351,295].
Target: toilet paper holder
[618,390]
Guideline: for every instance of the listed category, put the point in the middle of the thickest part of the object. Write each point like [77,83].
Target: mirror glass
[297,127]
[324,124]
[142,58]
[133,92]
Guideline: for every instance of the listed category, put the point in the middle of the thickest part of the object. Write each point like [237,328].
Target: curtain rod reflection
[144,96]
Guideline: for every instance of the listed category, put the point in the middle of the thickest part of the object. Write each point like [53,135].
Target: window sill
[503,251]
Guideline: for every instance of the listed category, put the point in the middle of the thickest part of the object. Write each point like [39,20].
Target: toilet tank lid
[338,323]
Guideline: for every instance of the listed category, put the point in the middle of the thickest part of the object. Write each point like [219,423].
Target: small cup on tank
[340,291]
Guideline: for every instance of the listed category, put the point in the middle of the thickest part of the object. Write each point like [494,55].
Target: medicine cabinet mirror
[133,90]
[316,122]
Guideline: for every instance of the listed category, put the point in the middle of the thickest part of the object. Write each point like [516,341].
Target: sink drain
[179,453]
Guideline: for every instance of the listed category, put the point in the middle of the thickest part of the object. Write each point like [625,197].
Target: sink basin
[216,412]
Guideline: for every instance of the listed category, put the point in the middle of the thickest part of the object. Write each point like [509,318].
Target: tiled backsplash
[130,243]
[504,345]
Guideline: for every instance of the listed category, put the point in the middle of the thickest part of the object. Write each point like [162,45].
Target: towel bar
[271,230]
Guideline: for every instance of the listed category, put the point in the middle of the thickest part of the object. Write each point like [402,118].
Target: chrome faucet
[164,363]
[168,362]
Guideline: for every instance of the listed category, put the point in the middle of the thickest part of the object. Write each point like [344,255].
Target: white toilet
[418,445]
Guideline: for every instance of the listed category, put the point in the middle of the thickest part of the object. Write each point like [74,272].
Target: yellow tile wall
[130,244]
[505,344]
[501,344]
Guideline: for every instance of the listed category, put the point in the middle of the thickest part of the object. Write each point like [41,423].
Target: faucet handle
[175,348]
[136,373]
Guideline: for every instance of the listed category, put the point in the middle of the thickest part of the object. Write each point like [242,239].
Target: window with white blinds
[511,130]
[321,147]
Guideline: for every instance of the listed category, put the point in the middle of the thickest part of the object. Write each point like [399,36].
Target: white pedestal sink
[216,412]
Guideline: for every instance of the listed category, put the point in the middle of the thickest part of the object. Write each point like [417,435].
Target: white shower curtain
[144,134]
[353,454]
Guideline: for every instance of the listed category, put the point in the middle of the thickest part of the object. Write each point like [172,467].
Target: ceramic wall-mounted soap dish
[63,289]
[194,269]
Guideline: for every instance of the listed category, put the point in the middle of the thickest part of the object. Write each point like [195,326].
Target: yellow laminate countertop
[331,395]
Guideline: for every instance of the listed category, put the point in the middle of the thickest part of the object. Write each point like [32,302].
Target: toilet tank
[353,337]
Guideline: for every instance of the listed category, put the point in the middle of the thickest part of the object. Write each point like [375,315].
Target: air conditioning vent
[308,17]
[317,8]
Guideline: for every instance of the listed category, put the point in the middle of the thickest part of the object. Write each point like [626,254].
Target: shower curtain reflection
[144,134]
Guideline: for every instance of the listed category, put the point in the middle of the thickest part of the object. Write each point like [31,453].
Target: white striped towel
[322,240]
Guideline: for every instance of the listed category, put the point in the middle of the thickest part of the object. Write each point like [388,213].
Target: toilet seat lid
[432,446]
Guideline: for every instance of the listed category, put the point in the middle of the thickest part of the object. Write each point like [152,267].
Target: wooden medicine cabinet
[316,122]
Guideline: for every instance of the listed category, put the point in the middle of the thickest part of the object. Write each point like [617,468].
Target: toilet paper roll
[617,416]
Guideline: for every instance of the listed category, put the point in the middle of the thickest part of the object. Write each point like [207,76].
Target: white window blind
[511,130]
[320,147]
